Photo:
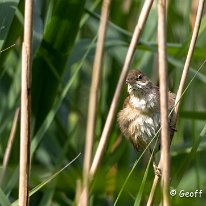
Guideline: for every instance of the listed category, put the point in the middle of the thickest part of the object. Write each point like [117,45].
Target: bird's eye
[139,77]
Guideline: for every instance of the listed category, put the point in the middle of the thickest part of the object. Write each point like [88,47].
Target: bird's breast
[138,126]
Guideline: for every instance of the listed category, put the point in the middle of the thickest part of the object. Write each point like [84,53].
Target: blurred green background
[64,43]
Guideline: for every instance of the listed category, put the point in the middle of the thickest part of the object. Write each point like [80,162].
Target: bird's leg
[157,169]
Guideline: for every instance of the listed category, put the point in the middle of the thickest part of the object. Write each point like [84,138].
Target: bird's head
[138,83]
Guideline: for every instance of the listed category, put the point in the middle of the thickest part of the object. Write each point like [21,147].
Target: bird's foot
[157,170]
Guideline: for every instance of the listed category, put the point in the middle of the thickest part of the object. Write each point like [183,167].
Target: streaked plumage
[139,119]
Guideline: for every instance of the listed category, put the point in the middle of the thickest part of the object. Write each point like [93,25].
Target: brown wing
[171,100]
[171,103]
[126,101]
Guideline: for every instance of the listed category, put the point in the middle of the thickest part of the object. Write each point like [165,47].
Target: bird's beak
[130,81]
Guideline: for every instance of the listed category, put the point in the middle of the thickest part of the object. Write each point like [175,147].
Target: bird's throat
[138,103]
[144,102]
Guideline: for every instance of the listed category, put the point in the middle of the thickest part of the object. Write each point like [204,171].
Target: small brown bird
[139,120]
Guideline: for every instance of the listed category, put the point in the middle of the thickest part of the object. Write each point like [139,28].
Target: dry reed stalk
[25,106]
[154,186]
[182,83]
[162,54]
[9,145]
[110,117]
[93,101]
[189,57]
[78,191]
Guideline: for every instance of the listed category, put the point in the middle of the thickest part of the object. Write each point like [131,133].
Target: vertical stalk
[162,27]
[182,84]
[9,145]
[112,111]
[93,101]
[189,57]
[25,106]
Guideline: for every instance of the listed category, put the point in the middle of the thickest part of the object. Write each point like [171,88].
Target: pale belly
[139,128]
